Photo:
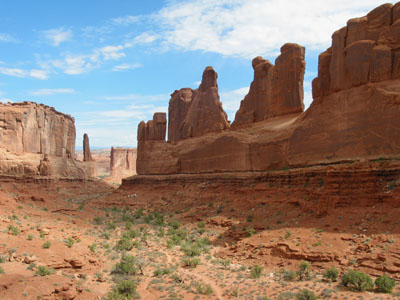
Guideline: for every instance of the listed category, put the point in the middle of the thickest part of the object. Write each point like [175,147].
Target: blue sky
[111,64]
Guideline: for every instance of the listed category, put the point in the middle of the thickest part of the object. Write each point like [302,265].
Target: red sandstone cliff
[355,114]
[276,90]
[36,139]
[123,162]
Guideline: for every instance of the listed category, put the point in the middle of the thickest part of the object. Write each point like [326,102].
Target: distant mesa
[355,113]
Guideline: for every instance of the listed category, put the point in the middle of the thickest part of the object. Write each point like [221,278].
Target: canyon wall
[122,162]
[355,114]
[38,140]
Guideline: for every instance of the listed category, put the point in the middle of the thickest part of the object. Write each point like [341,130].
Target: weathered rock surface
[355,114]
[38,140]
[87,156]
[205,113]
[177,111]
[276,90]
[123,162]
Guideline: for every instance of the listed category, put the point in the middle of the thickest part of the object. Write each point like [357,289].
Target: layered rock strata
[38,140]
[276,90]
[355,114]
[123,162]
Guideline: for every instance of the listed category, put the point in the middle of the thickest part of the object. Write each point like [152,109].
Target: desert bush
[384,284]
[331,274]
[124,290]
[306,295]
[46,245]
[70,242]
[304,271]
[42,271]
[126,266]
[14,230]
[289,275]
[358,281]
[204,289]
[256,271]
[191,262]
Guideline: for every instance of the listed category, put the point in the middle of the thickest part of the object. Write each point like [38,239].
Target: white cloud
[5,100]
[75,64]
[246,28]
[127,20]
[39,74]
[125,67]
[7,38]
[112,52]
[33,73]
[58,35]
[48,92]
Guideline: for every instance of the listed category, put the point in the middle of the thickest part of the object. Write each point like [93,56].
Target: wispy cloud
[255,27]
[58,35]
[126,67]
[21,73]
[7,38]
[112,52]
[127,20]
[48,92]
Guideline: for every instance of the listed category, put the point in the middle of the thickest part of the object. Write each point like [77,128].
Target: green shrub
[127,266]
[42,271]
[125,244]
[331,274]
[204,289]
[69,242]
[250,232]
[358,281]
[191,250]
[30,237]
[256,272]
[46,245]
[191,262]
[384,284]
[289,275]
[1,270]
[306,295]
[160,272]
[304,271]
[124,290]
[13,230]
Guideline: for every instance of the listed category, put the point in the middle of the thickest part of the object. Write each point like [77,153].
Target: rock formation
[177,111]
[355,114]
[38,140]
[205,113]
[35,128]
[194,113]
[356,108]
[276,90]
[87,156]
[123,162]
[153,130]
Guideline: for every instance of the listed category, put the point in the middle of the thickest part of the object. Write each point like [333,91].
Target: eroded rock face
[123,162]
[38,140]
[356,108]
[177,111]
[205,113]
[364,51]
[276,90]
[355,114]
[36,128]
[87,156]
[153,130]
